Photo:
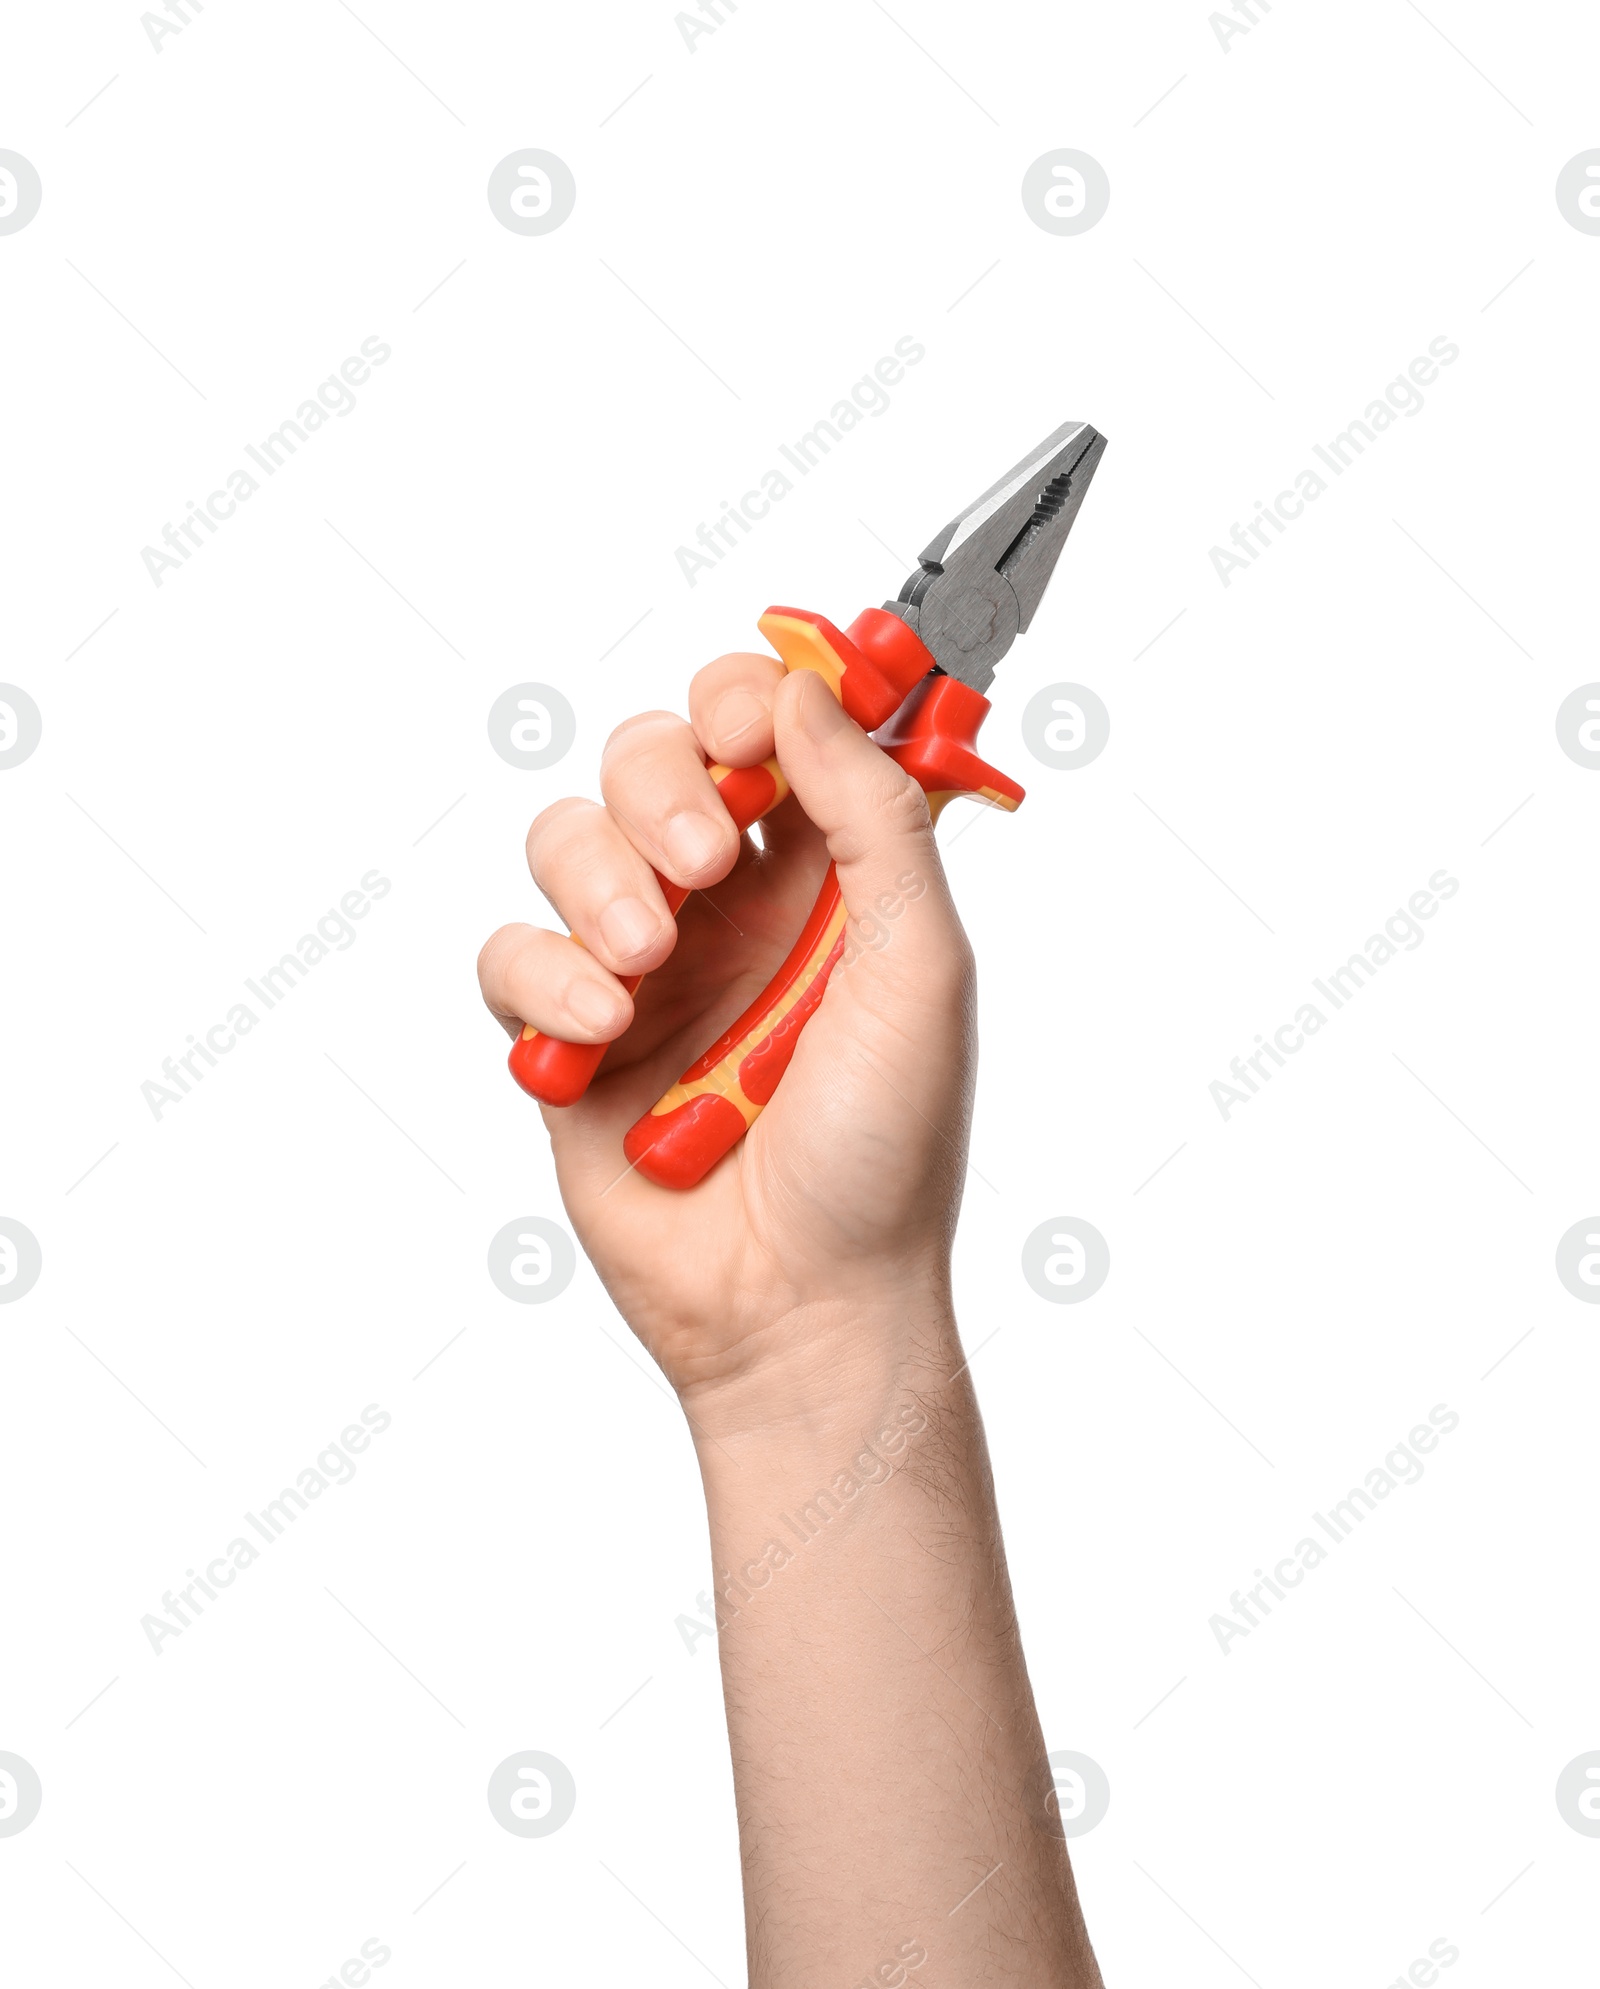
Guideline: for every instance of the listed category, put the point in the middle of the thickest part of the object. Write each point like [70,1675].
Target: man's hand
[895,1804]
[840,1202]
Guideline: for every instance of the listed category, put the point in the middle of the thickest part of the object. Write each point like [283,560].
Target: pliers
[913,673]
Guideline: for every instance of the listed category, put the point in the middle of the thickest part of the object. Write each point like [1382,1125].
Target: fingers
[730,707]
[598,866]
[873,815]
[530,976]
[602,886]
[656,786]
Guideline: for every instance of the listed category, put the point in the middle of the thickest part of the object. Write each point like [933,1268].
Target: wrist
[827,1376]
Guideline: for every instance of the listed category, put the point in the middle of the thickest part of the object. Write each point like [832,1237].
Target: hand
[807,1250]
[799,1301]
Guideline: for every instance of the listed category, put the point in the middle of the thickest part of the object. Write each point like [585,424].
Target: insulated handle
[716,1101]
[869,668]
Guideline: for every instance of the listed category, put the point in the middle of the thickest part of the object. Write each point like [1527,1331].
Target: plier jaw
[982,578]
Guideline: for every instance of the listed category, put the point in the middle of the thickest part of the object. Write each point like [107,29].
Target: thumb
[875,820]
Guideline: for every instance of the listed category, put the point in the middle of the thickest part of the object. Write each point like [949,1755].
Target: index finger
[730,707]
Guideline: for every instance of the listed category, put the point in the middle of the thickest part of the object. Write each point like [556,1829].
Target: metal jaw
[983,577]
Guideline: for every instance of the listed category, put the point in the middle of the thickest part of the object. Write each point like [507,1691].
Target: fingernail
[692,841]
[595,1007]
[628,926]
[737,712]
[821,714]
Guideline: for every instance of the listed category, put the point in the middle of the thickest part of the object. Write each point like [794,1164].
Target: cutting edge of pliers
[982,578]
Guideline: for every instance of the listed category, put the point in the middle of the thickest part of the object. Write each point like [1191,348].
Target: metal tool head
[983,577]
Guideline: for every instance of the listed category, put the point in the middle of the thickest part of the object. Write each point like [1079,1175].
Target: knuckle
[634,731]
[497,953]
[709,680]
[894,809]
[738,666]
[904,806]
[557,826]
[556,815]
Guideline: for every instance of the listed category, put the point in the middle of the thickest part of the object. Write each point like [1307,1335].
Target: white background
[227,754]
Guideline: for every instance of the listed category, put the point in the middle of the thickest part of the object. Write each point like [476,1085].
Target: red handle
[716,1101]
[869,669]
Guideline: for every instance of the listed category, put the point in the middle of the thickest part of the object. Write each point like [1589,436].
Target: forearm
[891,1778]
